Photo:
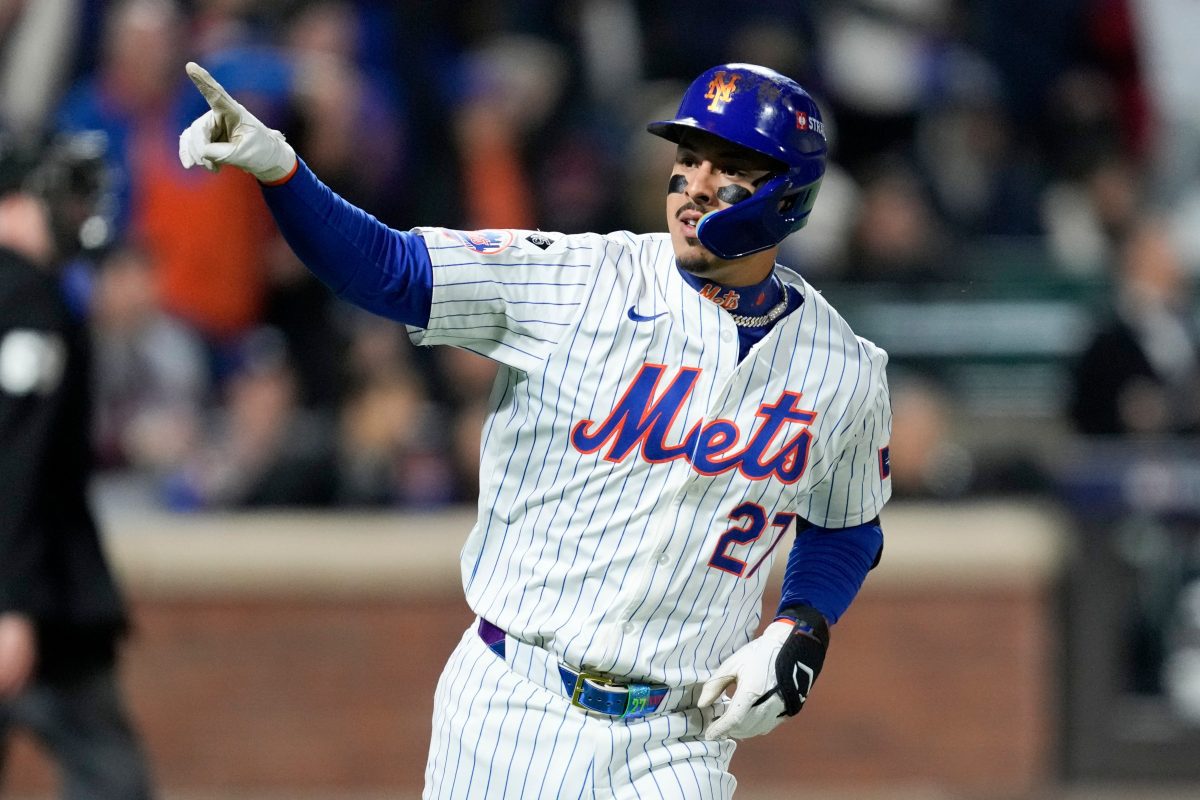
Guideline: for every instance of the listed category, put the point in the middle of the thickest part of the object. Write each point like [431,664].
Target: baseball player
[668,407]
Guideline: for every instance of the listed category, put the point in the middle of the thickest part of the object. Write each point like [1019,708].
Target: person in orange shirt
[137,99]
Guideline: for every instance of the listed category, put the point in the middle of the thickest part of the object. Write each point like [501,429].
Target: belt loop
[492,636]
[637,704]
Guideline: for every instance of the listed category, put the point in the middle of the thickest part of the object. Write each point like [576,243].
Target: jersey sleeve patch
[540,240]
[885,462]
[486,242]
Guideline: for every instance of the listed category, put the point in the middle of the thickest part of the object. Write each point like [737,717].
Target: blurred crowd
[228,377]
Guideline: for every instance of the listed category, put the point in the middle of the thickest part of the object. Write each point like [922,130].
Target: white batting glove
[774,673]
[749,713]
[229,134]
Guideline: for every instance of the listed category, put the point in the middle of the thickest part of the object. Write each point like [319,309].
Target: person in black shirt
[61,614]
[1139,375]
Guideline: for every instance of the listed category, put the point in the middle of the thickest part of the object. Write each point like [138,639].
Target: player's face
[711,174]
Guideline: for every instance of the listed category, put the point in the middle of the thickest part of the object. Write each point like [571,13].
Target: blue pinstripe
[508,301]
[482,351]
[555,323]
[519,284]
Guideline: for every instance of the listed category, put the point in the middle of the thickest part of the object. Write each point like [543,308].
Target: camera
[70,174]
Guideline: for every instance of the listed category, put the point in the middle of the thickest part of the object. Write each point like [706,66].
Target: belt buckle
[637,695]
[580,679]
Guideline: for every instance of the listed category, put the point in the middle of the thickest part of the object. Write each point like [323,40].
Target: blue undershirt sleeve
[827,567]
[367,263]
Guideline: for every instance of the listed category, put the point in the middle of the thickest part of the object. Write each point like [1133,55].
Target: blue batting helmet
[768,113]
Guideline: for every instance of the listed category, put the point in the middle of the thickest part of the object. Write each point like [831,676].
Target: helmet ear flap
[797,204]
[788,202]
[761,221]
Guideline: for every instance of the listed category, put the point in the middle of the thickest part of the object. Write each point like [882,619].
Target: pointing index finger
[218,99]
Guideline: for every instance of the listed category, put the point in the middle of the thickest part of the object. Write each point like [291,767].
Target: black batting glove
[801,657]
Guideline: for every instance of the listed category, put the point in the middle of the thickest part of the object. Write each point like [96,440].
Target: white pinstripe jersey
[635,478]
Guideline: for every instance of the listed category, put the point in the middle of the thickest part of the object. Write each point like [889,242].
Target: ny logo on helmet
[720,90]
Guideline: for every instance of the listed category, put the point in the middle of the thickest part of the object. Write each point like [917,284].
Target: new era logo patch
[540,240]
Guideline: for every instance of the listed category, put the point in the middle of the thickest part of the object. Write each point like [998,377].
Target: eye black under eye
[732,194]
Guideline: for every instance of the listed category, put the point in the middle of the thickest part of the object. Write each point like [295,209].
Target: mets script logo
[644,416]
[721,89]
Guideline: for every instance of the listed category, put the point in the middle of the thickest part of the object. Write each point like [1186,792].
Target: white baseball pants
[498,734]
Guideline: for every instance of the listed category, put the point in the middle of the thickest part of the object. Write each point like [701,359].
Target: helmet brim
[675,129]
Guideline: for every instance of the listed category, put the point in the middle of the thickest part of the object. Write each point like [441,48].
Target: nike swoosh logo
[636,317]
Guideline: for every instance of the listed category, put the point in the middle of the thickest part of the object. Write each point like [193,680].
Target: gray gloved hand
[229,134]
